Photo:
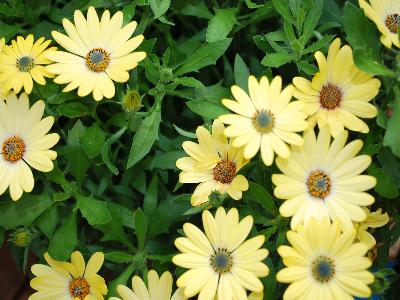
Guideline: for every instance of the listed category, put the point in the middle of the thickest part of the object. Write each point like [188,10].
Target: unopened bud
[132,101]
[21,237]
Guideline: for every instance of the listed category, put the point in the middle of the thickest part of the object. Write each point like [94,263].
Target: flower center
[319,184]
[392,22]
[79,288]
[97,60]
[224,171]
[13,149]
[323,269]
[330,96]
[263,121]
[221,261]
[25,63]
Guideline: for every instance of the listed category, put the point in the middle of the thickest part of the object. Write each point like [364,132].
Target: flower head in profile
[221,262]
[214,163]
[23,62]
[69,280]
[324,263]
[323,179]
[265,119]
[339,94]
[374,219]
[386,15]
[158,288]
[25,143]
[100,51]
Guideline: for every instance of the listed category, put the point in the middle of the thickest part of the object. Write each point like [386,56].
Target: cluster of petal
[340,162]
[349,275]
[354,88]
[378,11]
[26,124]
[281,119]
[32,56]
[222,233]
[199,166]
[2,90]
[159,288]
[374,219]
[92,34]
[53,281]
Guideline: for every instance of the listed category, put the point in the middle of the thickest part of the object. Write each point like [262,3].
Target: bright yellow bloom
[374,220]
[339,93]
[386,15]
[221,262]
[24,143]
[256,296]
[158,288]
[323,180]
[2,91]
[23,62]
[324,263]
[265,119]
[69,280]
[214,163]
[99,52]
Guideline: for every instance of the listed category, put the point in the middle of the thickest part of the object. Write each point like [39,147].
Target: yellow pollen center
[13,149]
[224,171]
[97,60]
[319,184]
[263,121]
[221,261]
[392,22]
[330,96]
[79,288]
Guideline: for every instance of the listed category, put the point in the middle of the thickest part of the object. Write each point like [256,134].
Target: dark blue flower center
[25,63]
[221,261]
[96,57]
[323,269]
[263,121]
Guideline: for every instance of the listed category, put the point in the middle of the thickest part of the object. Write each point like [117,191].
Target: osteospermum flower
[221,262]
[322,179]
[23,62]
[2,90]
[214,163]
[265,119]
[339,93]
[69,280]
[374,219]
[386,15]
[159,288]
[24,143]
[100,52]
[324,263]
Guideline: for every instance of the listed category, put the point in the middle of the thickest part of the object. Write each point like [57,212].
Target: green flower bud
[132,101]
[21,237]
[216,199]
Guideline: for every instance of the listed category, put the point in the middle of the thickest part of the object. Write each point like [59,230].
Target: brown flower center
[263,121]
[330,96]
[25,63]
[13,149]
[323,269]
[221,261]
[97,60]
[392,22]
[224,171]
[319,184]
[79,288]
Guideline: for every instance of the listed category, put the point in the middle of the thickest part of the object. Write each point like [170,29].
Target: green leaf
[8,31]
[319,44]
[282,8]
[105,150]
[392,136]
[93,210]
[151,197]
[364,60]
[48,221]
[64,240]
[72,110]
[221,24]
[189,82]
[141,228]
[311,21]
[385,186]
[120,257]
[207,109]
[167,160]
[204,56]
[93,140]
[194,8]
[241,72]
[144,138]
[159,7]
[121,279]
[259,194]
[275,60]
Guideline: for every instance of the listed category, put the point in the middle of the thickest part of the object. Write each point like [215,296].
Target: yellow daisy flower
[339,93]
[324,263]
[2,90]
[214,163]
[265,119]
[69,280]
[221,262]
[24,143]
[100,51]
[158,288]
[374,220]
[322,179]
[23,62]
[386,15]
